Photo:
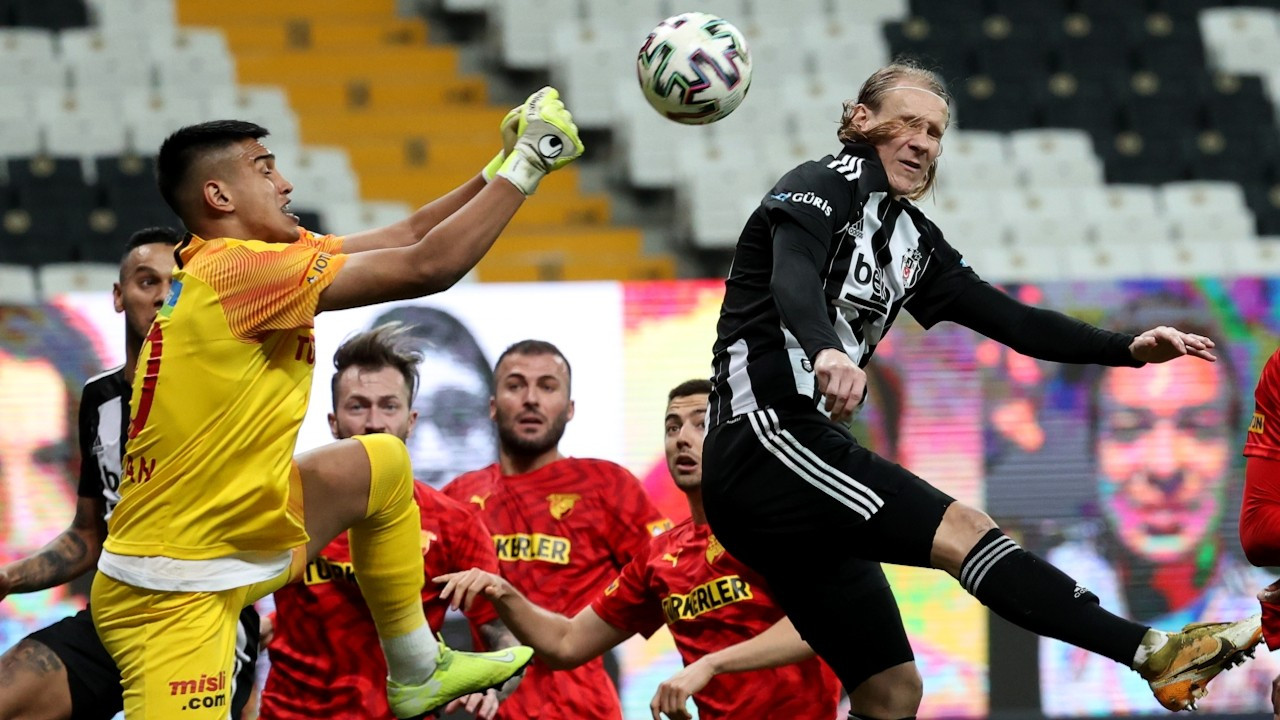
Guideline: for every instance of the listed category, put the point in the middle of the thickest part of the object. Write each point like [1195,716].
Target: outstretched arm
[413,228]
[548,141]
[416,226]
[560,641]
[68,556]
[1051,335]
[777,646]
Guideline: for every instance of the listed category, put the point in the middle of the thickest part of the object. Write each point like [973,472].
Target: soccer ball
[695,68]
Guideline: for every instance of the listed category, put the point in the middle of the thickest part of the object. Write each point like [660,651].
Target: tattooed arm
[65,558]
[496,636]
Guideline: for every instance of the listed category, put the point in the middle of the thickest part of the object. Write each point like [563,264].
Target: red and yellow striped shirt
[221,388]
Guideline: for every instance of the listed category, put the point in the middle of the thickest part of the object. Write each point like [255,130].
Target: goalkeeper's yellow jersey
[220,391]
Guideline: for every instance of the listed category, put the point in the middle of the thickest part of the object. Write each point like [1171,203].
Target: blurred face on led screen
[1163,454]
[453,433]
[34,444]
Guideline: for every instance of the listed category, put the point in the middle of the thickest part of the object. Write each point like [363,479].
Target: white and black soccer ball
[694,68]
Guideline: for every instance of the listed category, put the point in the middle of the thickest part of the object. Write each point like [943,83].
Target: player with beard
[563,527]
[324,656]
[743,657]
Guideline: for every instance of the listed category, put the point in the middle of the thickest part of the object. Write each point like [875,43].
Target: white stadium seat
[59,278]
[525,31]
[1102,262]
[1258,257]
[1123,214]
[1189,260]
[28,59]
[85,134]
[1197,196]
[325,175]
[18,285]
[19,137]
[1018,262]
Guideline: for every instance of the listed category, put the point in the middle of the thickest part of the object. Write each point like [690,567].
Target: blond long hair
[896,74]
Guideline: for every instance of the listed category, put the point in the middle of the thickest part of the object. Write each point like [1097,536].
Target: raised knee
[894,693]
[962,527]
[963,519]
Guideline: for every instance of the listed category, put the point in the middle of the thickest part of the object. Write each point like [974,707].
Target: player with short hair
[214,510]
[743,657]
[563,527]
[324,658]
[62,671]
[823,267]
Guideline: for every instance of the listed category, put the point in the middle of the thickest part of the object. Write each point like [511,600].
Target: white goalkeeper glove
[548,140]
[510,129]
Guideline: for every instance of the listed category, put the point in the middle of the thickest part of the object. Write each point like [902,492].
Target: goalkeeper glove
[548,140]
[510,129]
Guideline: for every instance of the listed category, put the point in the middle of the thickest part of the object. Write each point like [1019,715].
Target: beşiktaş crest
[912,265]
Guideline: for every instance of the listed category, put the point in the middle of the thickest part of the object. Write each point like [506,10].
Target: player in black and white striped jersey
[823,267]
[63,671]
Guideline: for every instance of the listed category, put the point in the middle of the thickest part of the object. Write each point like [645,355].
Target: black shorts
[797,499]
[94,681]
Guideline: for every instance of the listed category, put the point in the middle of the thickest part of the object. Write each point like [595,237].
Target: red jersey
[1263,438]
[325,658]
[711,601]
[562,533]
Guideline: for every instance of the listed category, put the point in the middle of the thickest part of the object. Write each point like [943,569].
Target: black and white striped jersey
[829,231]
[104,420]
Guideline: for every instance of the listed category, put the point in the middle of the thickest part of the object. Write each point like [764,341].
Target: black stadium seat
[51,14]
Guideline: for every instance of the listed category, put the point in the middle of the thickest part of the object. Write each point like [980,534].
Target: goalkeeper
[214,512]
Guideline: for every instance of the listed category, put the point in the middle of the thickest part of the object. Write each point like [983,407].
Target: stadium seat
[59,278]
[1019,262]
[1253,258]
[524,29]
[146,18]
[1196,197]
[1108,262]
[718,186]
[325,176]
[17,285]
[586,63]
[1195,259]
[19,137]
[983,103]
[1122,214]
[1054,157]
[51,14]
[869,11]
[968,218]
[28,60]
[85,133]
[192,58]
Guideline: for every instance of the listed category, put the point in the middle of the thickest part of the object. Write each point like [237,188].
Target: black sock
[1039,597]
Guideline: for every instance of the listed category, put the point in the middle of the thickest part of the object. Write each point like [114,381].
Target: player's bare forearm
[777,646]
[560,642]
[430,265]
[537,627]
[68,556]
[496,636]
[413,228]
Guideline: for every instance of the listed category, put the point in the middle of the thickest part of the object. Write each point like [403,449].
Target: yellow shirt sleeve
[269,286]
